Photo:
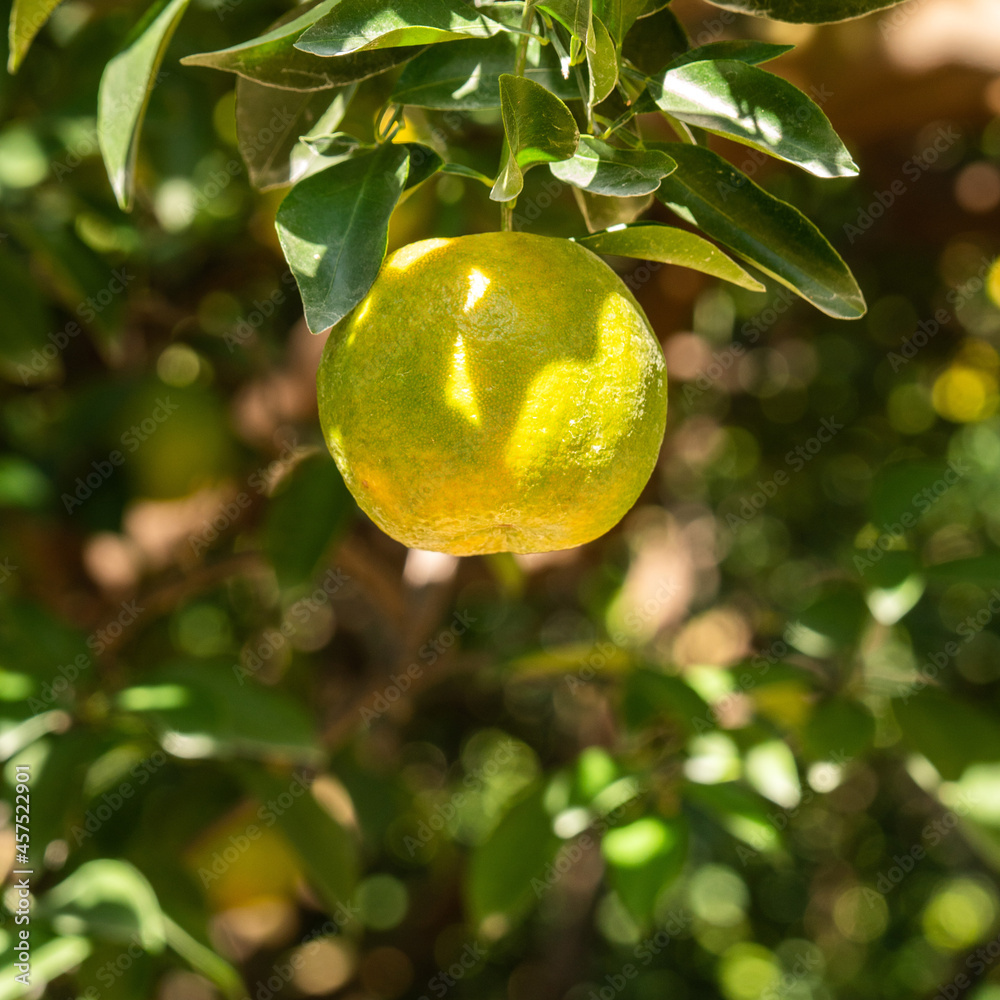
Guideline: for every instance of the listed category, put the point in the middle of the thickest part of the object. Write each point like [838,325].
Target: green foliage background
[746,746]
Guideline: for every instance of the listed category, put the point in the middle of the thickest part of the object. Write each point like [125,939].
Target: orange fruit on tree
[495,392]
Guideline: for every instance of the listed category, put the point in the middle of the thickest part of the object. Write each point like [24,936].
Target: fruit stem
[522,45]
[520,61]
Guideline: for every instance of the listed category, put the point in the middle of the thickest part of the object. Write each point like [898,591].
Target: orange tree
[746,745]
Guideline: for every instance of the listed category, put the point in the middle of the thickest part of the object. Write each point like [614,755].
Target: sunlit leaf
[712,194]
[807,11]
[608,170]
[757,108]
[651,241]
[27,18]
[273,59]
[465,75]
[539,129]
[353,25]
[126,84]
[333,227]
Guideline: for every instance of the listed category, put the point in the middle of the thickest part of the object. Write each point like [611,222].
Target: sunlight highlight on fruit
[497,392]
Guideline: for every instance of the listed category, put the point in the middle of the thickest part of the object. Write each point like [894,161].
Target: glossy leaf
[270,122]
[807,11]
[601,212]
[273,59]
[328,852]
[603,169]
[602,62]
[354,25]
[655,41]
[539,129]
[507,870]
[710,193]
[651,241]
[576,16]
[126,84]
[333,227]
[619,16]
[465,75]
[27,18]
[742,49]
[757,108]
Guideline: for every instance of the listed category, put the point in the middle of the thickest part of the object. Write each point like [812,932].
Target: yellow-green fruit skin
[496,392]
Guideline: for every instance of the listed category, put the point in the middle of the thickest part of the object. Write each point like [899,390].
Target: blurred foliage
[746,746]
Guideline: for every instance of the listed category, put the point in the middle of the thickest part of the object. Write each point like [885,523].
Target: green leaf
[424,164]
[710,193]
[334,227]
[643,859]
[602,61]
[465,76]
[983,569]
[839,728]
[950,733]
[273,59]
[311,507]
[576,16]
[601,212]
[27,18]
[619,16]
[328,852]
[354,25]
[270,122]
[109,899]
[655,41]
[754,107]
[206,710]
[651,241]
[807,11]
[539,129]
[507,871]
[741,49]
[123,95]
[603,169]
[833,621]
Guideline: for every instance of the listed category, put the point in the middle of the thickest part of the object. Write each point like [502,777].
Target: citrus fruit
[496,392]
